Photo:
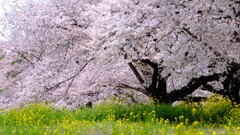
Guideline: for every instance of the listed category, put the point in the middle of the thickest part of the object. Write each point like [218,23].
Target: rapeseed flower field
[216,116]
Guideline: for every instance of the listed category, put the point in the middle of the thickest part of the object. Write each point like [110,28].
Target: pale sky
[1,15]
[1,8]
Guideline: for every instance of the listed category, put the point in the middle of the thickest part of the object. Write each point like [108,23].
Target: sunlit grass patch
[214,116]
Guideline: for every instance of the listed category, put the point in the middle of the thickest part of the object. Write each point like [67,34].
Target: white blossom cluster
[64,48]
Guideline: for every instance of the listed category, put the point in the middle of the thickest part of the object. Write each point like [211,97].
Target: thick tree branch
[207,87]
[192,86]
[136,72]
[150,63]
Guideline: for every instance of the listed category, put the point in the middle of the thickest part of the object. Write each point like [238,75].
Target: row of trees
[165,49]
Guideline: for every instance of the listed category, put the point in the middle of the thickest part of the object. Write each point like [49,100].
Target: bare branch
[136,72]
[124,86]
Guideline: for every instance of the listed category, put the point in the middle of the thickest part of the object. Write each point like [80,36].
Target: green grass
[215,116]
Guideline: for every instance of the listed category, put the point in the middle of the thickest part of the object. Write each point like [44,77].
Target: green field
[215,116]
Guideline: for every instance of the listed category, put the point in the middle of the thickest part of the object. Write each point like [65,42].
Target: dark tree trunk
[162,90]
[158,87]
[231,83]
[234,90]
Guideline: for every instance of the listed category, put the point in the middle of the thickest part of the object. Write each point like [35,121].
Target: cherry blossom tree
[60,55]
[165,49]
[186,45]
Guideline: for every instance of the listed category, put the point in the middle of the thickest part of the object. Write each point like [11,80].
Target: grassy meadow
[217,116]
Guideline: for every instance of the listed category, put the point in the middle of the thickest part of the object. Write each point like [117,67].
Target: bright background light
[1,8]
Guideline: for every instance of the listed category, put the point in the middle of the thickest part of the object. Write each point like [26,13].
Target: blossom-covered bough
[188,43]
[165,49]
